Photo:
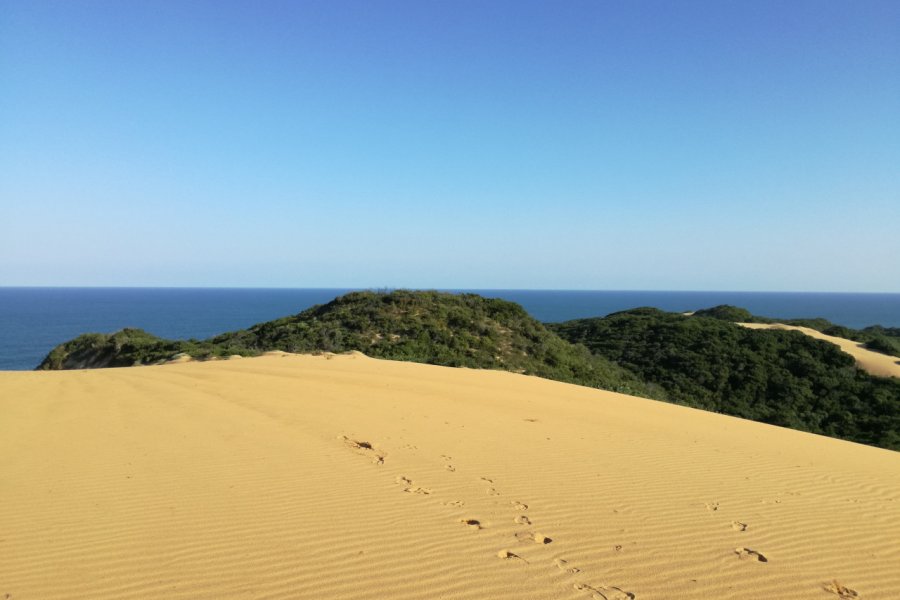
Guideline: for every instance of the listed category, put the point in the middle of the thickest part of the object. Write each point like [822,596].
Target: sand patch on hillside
[308,477]
[875,363]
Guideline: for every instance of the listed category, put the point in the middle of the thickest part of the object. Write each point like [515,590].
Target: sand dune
[348,477]
[875,363]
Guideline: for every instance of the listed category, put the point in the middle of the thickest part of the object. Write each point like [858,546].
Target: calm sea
[34,320]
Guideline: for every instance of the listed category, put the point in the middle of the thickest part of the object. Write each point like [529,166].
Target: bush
[780,377]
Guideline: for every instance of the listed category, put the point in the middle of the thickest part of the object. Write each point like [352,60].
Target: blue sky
[572,145]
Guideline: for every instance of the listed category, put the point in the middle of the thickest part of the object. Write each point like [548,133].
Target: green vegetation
[463,330]
[726,312]
[884,344]
[706,361]
[127,348]
[780,377]
[876,337]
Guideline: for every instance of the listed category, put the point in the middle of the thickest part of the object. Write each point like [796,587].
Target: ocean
[34,320]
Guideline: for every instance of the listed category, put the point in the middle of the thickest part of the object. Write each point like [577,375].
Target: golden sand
[875,363]
[348,477]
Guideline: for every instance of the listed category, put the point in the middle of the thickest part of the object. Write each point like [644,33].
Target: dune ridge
[291,476]
[875,363]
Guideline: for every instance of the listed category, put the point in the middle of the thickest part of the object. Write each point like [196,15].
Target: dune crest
[292,476]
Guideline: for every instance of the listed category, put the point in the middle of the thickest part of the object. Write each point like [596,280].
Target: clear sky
[571,145]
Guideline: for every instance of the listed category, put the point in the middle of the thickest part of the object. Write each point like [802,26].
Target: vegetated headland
[703,360]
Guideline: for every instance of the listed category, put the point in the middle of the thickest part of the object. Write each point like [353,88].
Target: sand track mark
[409,488]
[840,590]
[364,448]
[603,592]
[506,554]
[747,553]
[563,565]
[533,536]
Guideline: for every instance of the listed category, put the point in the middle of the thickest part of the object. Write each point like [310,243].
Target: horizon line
[438,289]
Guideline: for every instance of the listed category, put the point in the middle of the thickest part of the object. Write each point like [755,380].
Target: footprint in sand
[841,590]
[563,565]
[531,536]
[747,553]
[409,487]
[471,523]
[365,448]
[522,520]
[455,503]
[492,492]
[604,592]
[506,555]
[355,444]
[519,505]
[712,506]
[738,526]
[450,468]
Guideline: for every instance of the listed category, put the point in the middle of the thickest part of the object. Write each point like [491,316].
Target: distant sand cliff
[292,476]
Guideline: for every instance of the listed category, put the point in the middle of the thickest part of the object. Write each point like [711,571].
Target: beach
[342,476]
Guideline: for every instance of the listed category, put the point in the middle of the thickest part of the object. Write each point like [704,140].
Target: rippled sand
[348,477]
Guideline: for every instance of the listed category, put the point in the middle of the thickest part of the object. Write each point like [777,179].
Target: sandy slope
[302,477]
[875,363]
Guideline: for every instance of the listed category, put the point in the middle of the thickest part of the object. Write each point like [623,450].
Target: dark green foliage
[726,312]
[881,339]
[882,344]
[463,330]
[876,337]
[126,348]
[893,332]
[780,377]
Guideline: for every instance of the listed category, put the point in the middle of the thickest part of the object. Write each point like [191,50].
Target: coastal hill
[704,361]
[455,330]
[345,477]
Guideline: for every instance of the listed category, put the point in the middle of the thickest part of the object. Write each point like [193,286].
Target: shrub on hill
[876,337]
[458,330]
[726,312]
[881,344]
[780,377]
